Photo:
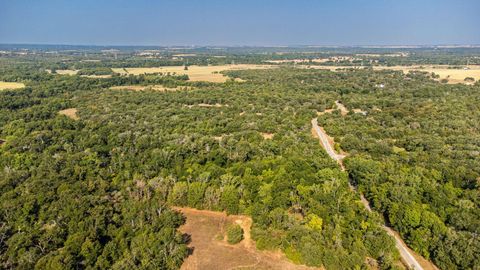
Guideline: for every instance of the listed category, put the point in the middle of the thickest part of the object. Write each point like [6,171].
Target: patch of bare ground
[341,107]
[71,113]
[211,252]
[267,136]
[156,87]
[2,142]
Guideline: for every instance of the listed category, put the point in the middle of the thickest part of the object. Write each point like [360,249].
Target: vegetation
[95,71]
[96,192]
[234,234]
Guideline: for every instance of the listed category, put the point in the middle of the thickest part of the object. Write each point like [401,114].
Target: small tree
[234,234]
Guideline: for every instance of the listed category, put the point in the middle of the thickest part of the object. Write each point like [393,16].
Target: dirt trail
[406,254]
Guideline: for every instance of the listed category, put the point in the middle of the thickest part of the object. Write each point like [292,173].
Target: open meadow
[11,85]
[195,73]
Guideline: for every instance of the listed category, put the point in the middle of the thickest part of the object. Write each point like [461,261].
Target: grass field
[66,71]
[195,73]
[207,230]
[453,75]
[11,85]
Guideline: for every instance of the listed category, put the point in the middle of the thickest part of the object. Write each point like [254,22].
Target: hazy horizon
[249,23]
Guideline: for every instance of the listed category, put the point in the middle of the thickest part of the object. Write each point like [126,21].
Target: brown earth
[207,228]
[267,136]
[71,113]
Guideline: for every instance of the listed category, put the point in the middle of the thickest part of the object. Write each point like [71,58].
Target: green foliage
[234,234]
[96,192]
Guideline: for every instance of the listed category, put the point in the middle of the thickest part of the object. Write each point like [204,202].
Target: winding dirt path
[405,252]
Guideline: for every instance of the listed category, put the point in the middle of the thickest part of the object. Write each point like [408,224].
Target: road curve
[407,258]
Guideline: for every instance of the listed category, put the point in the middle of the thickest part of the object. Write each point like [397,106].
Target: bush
[234,234]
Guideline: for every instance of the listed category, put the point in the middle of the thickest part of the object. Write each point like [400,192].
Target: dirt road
[407,258]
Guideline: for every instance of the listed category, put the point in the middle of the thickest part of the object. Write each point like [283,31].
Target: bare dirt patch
[71,113]
[11,85]
[267,136]
[195,73]
[210,252]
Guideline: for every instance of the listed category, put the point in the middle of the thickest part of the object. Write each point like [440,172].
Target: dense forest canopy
[96,193]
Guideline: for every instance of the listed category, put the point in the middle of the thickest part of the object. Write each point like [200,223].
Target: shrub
[234,234]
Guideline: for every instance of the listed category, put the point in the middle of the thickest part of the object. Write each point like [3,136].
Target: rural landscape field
[167,155]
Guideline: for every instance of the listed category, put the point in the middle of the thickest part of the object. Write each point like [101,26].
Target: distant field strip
[11,85]
[453,75]
[195,73]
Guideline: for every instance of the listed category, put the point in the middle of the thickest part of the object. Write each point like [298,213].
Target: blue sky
[246,22]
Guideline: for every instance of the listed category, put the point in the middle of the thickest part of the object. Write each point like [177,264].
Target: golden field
[195,73]
[11,85]
[453,75]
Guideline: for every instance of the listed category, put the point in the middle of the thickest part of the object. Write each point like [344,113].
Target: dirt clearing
[71,113]
[195,73]
[11,85]
[267,136]
[206,229]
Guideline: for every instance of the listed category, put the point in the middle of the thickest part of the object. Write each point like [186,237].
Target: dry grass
[195,73]
[97,76]
[316,60]
[453,75]
[66,72]
[209,252]
[11,85]
[71,113]
[157,87]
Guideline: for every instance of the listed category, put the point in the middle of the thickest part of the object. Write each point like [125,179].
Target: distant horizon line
[394,46]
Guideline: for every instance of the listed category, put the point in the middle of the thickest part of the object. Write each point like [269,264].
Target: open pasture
[195,73]
[11,85]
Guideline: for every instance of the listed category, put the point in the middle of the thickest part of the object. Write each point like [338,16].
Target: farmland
[195,73]
[11,85]
[450,73]
[134,165]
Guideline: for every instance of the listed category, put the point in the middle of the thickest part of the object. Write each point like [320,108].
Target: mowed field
[11,85]
[211,252]
[195,73]
[453,75]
